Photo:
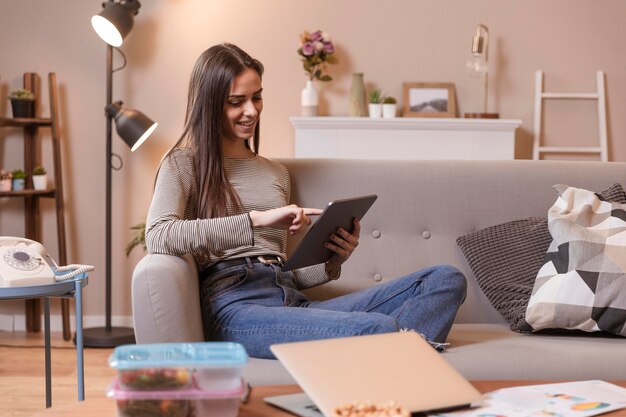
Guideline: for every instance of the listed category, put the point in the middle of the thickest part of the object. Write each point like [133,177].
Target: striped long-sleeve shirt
[172,226]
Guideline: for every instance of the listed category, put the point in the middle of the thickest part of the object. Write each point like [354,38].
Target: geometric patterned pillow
[582,285]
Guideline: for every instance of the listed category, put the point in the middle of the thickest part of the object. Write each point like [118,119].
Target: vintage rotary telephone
[22,263]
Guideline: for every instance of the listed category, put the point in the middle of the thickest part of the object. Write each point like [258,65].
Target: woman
[216,198]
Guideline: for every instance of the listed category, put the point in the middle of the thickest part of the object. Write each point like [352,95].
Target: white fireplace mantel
[404,138]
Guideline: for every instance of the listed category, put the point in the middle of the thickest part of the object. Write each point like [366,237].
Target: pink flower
[308,49]
[316,51]
[316,36]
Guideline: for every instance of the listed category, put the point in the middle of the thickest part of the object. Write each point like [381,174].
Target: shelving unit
[405,138]
[32,223]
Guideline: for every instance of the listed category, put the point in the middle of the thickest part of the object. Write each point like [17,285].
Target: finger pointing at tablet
[290,217]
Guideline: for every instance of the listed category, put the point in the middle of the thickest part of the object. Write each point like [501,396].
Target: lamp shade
[115,21]
[132,126]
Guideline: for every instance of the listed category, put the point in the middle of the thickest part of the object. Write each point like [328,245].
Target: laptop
[400,367]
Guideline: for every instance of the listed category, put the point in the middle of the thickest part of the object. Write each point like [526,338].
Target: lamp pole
[108,336]
[108,216]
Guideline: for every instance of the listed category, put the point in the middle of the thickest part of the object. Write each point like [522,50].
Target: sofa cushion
[492,351]
[582,284]
[505,259]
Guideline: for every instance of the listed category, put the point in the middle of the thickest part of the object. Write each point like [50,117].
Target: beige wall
[391,42]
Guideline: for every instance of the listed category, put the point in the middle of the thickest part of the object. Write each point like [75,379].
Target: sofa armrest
[166,300]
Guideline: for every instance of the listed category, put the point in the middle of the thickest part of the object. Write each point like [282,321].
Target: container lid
[189,355]
[191,393]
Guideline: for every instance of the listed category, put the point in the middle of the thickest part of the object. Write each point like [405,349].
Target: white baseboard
[6,322]
[17,322]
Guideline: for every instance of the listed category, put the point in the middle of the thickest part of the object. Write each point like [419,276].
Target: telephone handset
[22,263]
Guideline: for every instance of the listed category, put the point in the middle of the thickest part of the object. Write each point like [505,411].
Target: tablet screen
[338,213]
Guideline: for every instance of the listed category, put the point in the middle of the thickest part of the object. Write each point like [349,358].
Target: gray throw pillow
[505,259]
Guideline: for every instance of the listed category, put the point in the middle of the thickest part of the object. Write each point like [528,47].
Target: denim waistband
[229,263]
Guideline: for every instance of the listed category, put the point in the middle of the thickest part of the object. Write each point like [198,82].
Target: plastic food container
[171,366]
[191,401]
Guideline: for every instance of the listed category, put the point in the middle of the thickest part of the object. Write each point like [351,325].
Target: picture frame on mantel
[429,100]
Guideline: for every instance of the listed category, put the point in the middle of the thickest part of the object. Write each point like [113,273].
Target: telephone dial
[22,263]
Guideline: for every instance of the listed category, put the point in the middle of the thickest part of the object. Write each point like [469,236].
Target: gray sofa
[423,207]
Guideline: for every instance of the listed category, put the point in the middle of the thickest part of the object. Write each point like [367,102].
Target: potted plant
[138,239]
[375,106]
[19,179]
[22,103]
[5,180]
[389,107]
[40,178]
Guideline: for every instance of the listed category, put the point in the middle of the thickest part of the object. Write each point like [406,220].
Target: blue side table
[70,288]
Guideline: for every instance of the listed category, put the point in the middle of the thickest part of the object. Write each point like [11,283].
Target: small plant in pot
[138,238]
[375,105]
[389,107]
[6,179]
[19,179]
[22,103]
[40,178]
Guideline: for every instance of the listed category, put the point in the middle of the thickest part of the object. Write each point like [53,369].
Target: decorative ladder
[599,96]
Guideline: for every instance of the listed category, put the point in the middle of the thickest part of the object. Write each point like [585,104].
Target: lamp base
[482,115]
[101,337]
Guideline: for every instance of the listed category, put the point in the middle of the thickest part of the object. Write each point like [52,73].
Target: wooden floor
[22,381]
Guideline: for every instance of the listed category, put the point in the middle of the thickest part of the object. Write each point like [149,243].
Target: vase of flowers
[316,51]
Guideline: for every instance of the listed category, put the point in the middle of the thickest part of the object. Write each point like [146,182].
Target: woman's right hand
[292,218]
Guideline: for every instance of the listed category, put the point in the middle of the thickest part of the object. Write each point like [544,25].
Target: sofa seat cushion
[493,351]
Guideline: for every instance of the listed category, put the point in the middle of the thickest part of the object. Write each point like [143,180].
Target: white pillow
[582,284]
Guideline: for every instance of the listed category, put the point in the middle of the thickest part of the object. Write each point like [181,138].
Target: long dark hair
[209,87]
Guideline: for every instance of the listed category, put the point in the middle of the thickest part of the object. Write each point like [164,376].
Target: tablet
[338,213]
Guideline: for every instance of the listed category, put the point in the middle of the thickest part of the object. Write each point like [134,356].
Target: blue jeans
[259,305]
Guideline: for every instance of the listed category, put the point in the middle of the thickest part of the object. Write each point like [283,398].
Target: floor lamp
[112,25]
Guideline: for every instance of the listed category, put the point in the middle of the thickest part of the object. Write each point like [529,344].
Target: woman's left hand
[343,243]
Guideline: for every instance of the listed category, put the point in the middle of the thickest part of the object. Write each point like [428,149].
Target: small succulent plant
[376,96]
[39,170]
[18,173]
[21,94]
